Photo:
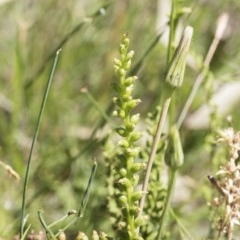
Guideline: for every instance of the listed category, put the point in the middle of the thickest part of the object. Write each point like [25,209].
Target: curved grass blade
[25,233]
[34,141]
[87,191]
[47,229]
[84,200]
[149,49]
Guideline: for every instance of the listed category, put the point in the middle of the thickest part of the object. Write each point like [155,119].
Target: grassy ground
[73,129]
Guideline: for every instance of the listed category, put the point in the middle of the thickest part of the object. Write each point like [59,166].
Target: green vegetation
[129,132]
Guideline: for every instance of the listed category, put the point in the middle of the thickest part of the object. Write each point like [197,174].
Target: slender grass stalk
[221,26]
[84,199]
[172,30]
[47,229]
[65,39]
[185,234]
[79,214]
[87,191]
[26,232]
[62,219]
[157,136]
[34,141]
[148,50]
[167,201]
[174,158]
[96,104]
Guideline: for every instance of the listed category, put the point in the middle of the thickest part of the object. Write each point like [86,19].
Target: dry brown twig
[11,172]
[227,183]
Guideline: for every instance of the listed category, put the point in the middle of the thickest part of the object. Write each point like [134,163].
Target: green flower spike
[126,177]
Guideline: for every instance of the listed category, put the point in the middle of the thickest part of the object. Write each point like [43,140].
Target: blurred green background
[30,32]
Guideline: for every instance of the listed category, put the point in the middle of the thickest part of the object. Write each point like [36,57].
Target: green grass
[76,124]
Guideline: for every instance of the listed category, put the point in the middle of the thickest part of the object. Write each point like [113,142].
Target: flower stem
[167,201]
[159,131]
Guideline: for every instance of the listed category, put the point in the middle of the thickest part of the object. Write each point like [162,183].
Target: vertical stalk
[173,81]
[33,144]
[159,131]
[171,32]
[167,201]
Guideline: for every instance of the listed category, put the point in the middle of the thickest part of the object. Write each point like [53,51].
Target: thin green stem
[171,43]
[48,230]
[34,141]
[191,97]
[88,20]
[184,232]
[87,191]
[26,232]
[157,137]
[96,104]
[58,221]
[167,201]
[148,50]
[78,215]
[129,191]
[171,33]
[130,217]
[66,226]
[174,79]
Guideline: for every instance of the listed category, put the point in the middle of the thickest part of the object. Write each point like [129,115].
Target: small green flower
[81,236]
[103,236]
[95,235]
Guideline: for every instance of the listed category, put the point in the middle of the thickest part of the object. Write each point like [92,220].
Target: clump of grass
[23,217]
[140,203]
